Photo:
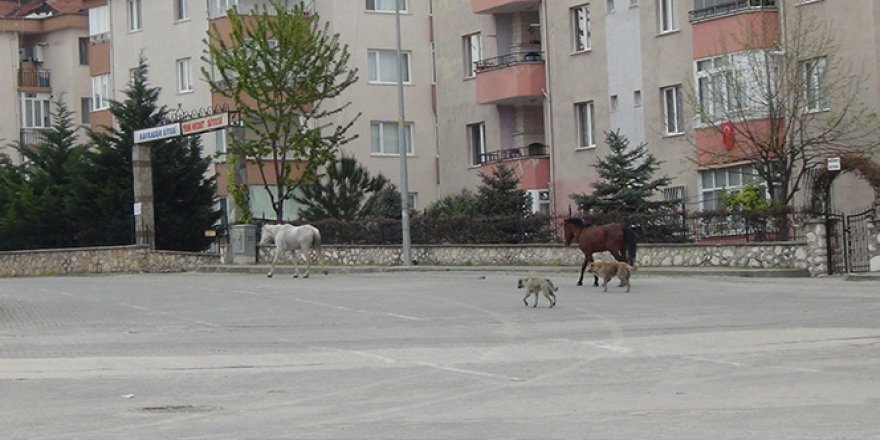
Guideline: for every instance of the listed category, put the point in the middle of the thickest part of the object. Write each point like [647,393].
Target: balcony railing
[534,150]
[34,78]
[510,59]
[32,136]
[730,8]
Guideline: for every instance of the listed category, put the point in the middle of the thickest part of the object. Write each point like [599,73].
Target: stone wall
[111,259]
[786,255]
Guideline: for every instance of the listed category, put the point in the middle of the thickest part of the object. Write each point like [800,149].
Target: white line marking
[713,361]
[476,373]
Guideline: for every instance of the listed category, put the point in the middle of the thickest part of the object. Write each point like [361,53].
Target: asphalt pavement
[437,354]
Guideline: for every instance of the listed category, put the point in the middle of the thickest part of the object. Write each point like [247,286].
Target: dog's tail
[633,267]
[552,286]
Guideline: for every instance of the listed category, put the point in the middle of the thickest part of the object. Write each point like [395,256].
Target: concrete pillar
[144,219]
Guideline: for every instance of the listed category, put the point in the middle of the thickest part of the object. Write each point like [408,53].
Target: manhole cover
[178,409]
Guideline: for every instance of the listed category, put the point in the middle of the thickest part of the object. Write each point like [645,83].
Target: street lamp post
[401,149]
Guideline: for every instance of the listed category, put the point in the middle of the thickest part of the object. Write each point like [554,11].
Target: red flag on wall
[727,135]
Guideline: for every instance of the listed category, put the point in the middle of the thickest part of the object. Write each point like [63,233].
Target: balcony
[513,79]
[730,8]
[34,79]
[32,136]
[532,164]
[503,6]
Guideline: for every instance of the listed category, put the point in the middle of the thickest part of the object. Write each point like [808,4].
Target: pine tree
[627,183]
[183,196]
[49,167]
[346,192]
[498,194]
[17,216]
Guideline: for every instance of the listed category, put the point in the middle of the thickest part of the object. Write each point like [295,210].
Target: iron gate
[847,240]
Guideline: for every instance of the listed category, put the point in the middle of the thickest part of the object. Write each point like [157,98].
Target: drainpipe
[548,108]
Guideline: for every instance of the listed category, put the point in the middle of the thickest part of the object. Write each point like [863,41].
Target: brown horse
[613,237]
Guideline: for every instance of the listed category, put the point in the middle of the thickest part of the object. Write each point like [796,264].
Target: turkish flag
[727,135]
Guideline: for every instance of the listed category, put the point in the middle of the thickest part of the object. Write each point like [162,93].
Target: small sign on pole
[138,207]
[834,164]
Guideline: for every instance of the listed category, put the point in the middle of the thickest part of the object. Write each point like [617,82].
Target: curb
[657,271]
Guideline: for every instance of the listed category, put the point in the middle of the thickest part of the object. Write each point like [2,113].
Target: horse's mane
[578,222]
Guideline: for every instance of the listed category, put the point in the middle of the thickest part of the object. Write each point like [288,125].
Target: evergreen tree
[627,179]
[17,216]
[452,205]
[49,167]
[183,196]
[345,192]
[498,194]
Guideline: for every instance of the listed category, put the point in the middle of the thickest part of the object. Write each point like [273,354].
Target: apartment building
[43,58]
[170,35]
[534,85]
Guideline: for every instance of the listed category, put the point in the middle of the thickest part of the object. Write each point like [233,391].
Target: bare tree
[281,68]
[783,102]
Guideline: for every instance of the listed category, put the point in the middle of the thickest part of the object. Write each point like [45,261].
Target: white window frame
[711,187]
[673,110]
[718,88]
[585,114]
[580,28]
[99,23]
[377,71]
[135,15]
[476,134]
[815,74]
[667,21]
[385,6]
[472,47]
[413,200]
[181,10]
[184,75]
[381,145]
[36,110]
[218,8]
[100,92]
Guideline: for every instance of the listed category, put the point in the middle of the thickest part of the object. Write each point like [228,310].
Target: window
[184,75]
[222,141]
[815,84]
[580,28]
[35,111]
[385,5]
[477,142]
[181,10]
[615,103]
[99,23]
[473,53]
[100,92]
[384,139]
[586,124]
[666,11]
[717,88]
[637,98]
[413,200]
[383,66]
[84,51]
[714,183]
[218,8]
[609,6]
[134,15]
[673,116]
[85,108]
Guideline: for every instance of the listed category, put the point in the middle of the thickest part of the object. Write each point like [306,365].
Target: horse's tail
[629,240]
[316,244]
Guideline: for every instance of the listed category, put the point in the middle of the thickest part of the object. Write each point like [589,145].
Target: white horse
[290,238]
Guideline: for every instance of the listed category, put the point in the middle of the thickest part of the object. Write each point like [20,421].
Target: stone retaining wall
[111,259]
[785,255]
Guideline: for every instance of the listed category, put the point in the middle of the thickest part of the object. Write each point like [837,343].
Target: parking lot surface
[437,355]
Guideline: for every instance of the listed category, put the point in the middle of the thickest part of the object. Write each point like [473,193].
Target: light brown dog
[607,270]
[536,285]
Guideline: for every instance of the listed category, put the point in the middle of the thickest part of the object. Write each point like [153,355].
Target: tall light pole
[401,149]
